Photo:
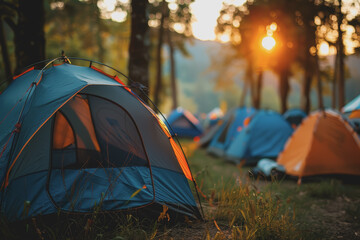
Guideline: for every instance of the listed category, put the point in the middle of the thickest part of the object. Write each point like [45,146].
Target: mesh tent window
[94,139]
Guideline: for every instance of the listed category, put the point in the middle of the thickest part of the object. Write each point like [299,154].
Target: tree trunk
[172,71]
[319,83]
[5,53]
[138,65]
[244,92]
[340,53]
[333,92]
[29,35]
[159,85]
[259,83]
[250,79]
[99,28]
[284,89]
[306,103]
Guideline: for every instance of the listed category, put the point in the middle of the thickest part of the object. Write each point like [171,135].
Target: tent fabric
[294,116]
[352,105]
[323,144]
[206,138]
[75,137]
[232,124]
[183,123]
[355,114]
[213,117]
[353,118]
[264,137]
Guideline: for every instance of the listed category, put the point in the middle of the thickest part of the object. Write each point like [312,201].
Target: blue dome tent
[72,137]
[184,124]
[264,137]
[294,116]
[232,124]
[352,105]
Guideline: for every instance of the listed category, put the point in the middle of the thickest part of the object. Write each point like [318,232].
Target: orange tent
[354,114]
[323,144]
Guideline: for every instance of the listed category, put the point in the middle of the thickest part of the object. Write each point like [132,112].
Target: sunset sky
[206,12]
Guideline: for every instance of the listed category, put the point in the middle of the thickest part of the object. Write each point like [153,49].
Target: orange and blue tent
[73,138]
[183,123]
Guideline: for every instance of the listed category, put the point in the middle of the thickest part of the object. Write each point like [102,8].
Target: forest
[32,32]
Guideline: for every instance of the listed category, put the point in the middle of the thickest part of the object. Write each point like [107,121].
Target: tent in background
[264,137]
[232,124]
[209,134]
[351,112]
[184,123]
[213,117]
[294,116]
[323,144]
[73,139]
[353,119]
[352,105]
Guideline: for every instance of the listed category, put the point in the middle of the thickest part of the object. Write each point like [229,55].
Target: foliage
[301,27]
[76,27]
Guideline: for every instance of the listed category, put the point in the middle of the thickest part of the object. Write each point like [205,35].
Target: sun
[268,43]
[324,49]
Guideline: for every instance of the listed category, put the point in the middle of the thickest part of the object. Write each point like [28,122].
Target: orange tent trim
[28,70]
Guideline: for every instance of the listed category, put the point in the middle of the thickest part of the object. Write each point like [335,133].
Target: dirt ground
[334,218]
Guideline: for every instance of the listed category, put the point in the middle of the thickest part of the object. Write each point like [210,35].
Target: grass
[92,226]
[312,209]
[235,207]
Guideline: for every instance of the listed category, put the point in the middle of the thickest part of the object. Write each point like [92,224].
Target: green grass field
[235,207]
[320,208]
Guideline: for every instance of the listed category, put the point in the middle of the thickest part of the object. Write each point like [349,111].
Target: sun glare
[205,14]
[324,49]
[205,21]
[268,43]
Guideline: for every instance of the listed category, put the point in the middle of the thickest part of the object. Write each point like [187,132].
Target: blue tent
[184,124]
[74,138]
[294,116]
[232,124]
[264,137]
[352,105]
[213,117]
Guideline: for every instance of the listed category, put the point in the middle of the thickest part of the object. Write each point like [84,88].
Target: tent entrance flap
[94,141]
